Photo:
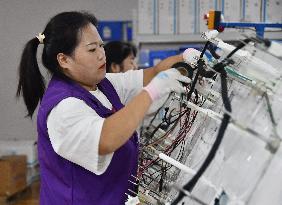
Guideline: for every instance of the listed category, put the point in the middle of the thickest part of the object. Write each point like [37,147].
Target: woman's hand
[165,82]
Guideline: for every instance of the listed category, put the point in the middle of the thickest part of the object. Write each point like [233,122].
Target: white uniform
[74,128]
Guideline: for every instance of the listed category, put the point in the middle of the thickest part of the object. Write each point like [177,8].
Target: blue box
[158,55]
[198,47]
[115,30]
[128,28]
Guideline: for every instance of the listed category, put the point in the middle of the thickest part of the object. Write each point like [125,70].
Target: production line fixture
[219,143]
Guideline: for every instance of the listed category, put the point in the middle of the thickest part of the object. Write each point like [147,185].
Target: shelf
[196,38]
[166,38]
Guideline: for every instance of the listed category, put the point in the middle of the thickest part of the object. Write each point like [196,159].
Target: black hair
[62,35]
[117,51]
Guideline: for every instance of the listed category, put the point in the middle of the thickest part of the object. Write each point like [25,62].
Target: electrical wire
[225,121]
[219,67]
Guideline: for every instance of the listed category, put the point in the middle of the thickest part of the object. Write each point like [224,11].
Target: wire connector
[132,200]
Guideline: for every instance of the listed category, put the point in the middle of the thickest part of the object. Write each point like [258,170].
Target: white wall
[21,20]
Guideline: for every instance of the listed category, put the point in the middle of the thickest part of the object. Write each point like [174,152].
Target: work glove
[165,82]
[191,56]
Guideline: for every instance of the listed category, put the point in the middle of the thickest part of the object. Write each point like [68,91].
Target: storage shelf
[195,38]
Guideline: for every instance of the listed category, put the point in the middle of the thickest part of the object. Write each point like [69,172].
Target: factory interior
[141,102]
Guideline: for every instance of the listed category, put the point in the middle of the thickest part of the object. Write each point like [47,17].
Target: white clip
[132,200]
[40,37]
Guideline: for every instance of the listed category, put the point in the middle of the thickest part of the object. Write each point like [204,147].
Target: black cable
[165,118]
[147,140]
[200,66]
[270,109]
[226,61]
[161,182]
[225,121]
[207,73]
[157,112]
[186,66]
[196,97]
[211,49]
[204,49]
[241,45]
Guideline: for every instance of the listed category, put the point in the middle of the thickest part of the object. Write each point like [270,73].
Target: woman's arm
[150,73]
[119,127]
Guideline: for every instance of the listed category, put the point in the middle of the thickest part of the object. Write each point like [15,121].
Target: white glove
[191,56]
[165,82]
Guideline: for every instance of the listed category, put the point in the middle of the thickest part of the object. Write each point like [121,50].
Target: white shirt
[74,128]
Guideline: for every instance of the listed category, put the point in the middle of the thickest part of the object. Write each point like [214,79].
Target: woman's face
[129,63]
[88,62]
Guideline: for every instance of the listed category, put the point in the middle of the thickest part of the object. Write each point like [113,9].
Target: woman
[120,56]
[86,121]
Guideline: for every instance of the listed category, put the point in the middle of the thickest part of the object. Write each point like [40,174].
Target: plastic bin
[156,56]
[115,30]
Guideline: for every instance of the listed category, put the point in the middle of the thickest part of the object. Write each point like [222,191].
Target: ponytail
[61,35]
[31,83]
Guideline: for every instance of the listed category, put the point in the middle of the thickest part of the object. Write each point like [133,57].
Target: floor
[30,197]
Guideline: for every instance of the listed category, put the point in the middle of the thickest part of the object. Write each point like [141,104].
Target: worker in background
[120,56]
[86,120]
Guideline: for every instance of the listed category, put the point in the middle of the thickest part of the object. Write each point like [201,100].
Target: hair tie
[40,37]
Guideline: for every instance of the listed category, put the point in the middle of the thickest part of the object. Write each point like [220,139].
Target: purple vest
[66,183]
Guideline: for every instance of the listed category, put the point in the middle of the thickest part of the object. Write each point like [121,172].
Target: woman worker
[120,56]
[86,121]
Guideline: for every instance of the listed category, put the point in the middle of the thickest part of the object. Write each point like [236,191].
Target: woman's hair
[62,35]
[117,51]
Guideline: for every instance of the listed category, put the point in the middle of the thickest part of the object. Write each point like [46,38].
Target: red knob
[220,28]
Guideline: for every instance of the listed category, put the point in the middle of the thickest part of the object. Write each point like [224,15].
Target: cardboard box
[20,147]
[12,174]
[32,173]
